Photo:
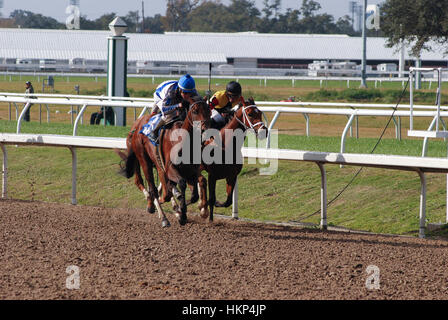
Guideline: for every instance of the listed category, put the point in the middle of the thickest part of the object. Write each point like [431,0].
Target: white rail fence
[350,110]
[418,164]
[79,101]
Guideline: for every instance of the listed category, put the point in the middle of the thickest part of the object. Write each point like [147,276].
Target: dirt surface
[125,254]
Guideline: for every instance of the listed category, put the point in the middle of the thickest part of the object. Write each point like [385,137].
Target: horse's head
[199,111]
[250,117]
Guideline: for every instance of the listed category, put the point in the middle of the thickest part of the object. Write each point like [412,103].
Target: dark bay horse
[174,165]
[245,117]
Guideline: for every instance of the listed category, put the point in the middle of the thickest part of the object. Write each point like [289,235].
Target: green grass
[64,129]
[372,95]
[380,91]
[436,148]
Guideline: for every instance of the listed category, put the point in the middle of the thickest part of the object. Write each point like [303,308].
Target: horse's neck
[186,125]
[230,127]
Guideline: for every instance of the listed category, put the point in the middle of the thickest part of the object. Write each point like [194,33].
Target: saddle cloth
[146,130]
[152,123]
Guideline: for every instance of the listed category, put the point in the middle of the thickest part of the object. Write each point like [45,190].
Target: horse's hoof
[151,209]
[182,218]
[165,223]
[204,213]
[183,221]
[219,204]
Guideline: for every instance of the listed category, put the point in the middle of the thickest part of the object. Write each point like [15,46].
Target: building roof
[194,47]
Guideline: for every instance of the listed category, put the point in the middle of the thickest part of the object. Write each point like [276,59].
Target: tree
[154,24]
[309,7]
[416,23]
[210,16]
[244,16]
[271,8]
[132,20]
[86,24]
[28,19]
[315,23]
[177,14]
[102,23]
[345,25]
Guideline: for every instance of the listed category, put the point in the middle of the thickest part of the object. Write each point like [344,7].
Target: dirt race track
[125,254]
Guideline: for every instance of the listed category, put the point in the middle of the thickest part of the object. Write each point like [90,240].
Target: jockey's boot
[154,135]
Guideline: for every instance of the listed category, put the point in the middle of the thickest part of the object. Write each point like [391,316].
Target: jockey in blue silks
[168,100]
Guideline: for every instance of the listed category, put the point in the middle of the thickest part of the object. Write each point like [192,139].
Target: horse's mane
[196,98]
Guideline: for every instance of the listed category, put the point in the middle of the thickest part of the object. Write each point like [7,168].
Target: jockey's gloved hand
[226,109]
[184,104]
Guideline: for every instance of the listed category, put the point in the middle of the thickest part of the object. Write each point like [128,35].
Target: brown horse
[172,168]
[245,117]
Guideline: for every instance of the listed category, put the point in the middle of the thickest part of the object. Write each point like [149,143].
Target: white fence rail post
[323,197]
[422,215]
[235,201]
[4,172]
[74,172]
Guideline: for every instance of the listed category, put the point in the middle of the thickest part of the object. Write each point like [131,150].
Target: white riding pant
[217,117]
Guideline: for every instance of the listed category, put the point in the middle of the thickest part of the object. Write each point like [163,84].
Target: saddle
[152,123]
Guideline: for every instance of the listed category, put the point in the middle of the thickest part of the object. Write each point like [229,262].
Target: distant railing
[350,110]
[134,69]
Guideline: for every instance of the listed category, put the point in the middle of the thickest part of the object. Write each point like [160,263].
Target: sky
[95,8]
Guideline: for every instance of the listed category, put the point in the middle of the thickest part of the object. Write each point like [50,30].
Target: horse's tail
[130,160]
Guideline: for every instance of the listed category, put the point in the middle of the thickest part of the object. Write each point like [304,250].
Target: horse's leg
[231,181]
[212,194]
[182,215]
[149,175]
[202,186]
[175,195]
[165,189]
[133,168]
[194,193]
[139,183]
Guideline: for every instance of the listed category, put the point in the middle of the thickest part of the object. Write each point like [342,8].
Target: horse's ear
[251,101]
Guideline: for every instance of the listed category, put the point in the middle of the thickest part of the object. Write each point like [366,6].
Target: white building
[183,51]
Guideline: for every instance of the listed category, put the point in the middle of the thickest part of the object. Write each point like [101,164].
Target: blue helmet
[187,84]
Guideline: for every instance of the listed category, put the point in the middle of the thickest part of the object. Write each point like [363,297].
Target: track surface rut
[125,254]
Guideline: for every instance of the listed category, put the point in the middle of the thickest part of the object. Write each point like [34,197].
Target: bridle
[190,107]
[246,119]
